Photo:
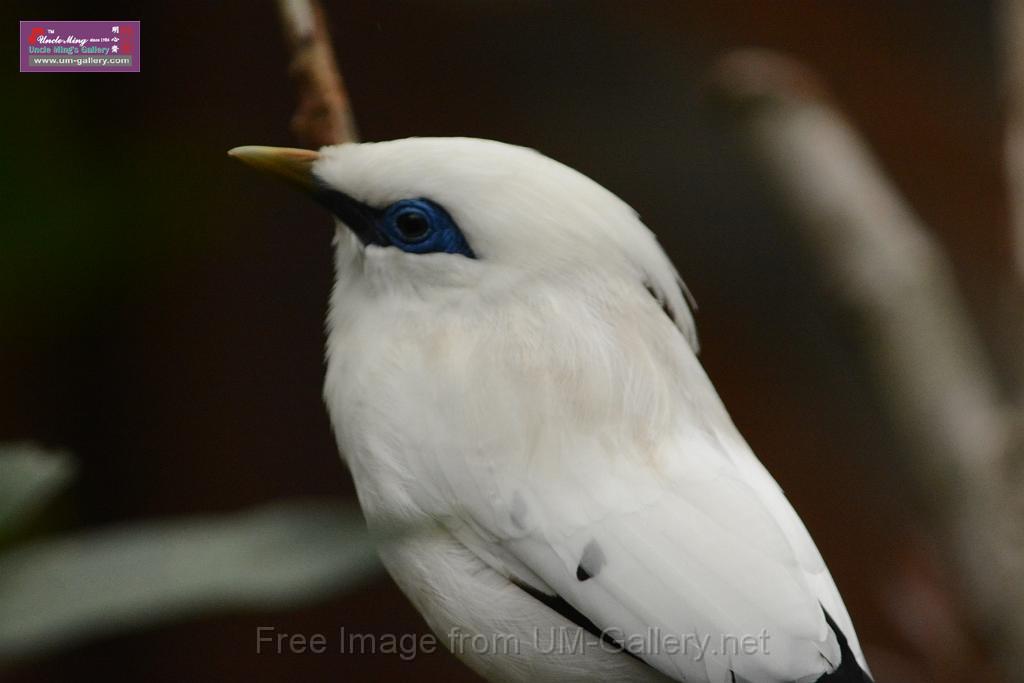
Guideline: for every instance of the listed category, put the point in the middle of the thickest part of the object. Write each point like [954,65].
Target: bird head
[464,212]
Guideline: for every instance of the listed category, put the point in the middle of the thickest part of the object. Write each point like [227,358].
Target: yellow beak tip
[288,163]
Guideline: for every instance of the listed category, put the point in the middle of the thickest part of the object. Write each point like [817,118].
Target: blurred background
[161,307]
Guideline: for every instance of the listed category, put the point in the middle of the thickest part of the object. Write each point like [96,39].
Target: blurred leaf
[29,478]
[57,593]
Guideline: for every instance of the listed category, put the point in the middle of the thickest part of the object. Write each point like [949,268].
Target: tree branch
[323,116]
[925,351]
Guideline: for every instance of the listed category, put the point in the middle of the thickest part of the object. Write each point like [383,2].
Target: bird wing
[715,558]
[682,547]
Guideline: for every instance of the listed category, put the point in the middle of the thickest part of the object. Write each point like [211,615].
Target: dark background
[161,307]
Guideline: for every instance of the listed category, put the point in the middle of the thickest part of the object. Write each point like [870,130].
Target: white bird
[511,359]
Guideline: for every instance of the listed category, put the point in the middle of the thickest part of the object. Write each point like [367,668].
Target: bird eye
[412,225]
[421,226]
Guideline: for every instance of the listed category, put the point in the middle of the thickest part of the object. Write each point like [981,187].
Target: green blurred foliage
[58,592]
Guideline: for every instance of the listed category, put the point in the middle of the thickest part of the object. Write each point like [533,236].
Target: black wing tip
[562,607]
[849,670]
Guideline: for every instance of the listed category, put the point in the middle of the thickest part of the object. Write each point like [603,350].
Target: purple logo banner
[102,46]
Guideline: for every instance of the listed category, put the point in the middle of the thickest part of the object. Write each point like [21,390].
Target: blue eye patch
[416,226]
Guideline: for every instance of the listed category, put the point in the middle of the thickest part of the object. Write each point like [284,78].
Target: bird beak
[294,166]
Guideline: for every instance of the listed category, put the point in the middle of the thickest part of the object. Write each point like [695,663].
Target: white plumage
[543,406]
